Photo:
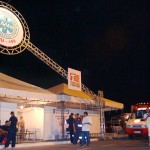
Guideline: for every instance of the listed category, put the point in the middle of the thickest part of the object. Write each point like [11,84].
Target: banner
[74,79]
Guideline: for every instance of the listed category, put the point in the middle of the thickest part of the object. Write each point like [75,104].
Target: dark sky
[107,40]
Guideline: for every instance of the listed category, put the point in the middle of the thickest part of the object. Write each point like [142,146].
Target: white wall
[53,126]
[52,123]
[95,127]
[47,121]
[34,120]
[5,109]
[49,125]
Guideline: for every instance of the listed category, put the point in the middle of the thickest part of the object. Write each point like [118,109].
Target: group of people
[79,128]
[78,125]
[9,130]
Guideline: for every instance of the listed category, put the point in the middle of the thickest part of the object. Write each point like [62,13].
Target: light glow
[137,120]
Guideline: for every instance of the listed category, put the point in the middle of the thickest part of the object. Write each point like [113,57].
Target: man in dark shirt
[77,125]
[12,131]
[6,126]
[70,123]
[4,129]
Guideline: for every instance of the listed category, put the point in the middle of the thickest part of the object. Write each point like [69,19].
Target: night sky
[107,40]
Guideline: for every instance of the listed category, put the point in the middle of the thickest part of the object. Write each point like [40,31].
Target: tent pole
[63,119]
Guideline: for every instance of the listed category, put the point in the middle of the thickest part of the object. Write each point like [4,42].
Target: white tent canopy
[14,90]
[11,88]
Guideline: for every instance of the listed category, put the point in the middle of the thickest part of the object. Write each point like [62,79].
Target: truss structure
[26,44]
[26,38]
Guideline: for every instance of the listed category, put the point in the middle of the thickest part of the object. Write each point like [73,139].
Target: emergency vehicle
[136,124]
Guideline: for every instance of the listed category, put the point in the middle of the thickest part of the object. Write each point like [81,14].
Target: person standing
[147,119]
[77,126]
[86,122]
[22,127]
[70,121]
[12,131]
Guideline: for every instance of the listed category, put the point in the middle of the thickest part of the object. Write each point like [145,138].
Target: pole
[63,119]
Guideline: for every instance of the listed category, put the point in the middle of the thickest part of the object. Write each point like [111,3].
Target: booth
[45,111]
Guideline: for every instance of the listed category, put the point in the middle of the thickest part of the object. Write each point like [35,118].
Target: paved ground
[113,144]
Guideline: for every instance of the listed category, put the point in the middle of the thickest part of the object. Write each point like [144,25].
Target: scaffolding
[26,44]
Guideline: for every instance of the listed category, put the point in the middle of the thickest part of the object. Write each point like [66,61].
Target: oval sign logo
[11,31]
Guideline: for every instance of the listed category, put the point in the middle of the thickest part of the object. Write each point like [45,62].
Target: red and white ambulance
[135,124]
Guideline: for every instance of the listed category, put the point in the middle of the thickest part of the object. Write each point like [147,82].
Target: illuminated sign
[74,79]
[11,31]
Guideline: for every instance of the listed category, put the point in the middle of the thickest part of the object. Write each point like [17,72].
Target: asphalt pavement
[107,144]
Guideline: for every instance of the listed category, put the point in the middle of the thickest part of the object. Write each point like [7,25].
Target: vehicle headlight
[143,126]
[137,120]
[129,126]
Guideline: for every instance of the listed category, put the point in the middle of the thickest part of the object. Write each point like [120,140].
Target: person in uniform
[11,137]
[70,121]
[77,126]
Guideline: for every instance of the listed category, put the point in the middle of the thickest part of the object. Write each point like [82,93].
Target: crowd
[79,128]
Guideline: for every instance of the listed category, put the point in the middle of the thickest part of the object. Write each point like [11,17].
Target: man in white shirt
[86,129]
[147,119]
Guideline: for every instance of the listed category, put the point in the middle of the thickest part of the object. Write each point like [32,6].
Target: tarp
[15,89]
[63,89]
[111,105]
